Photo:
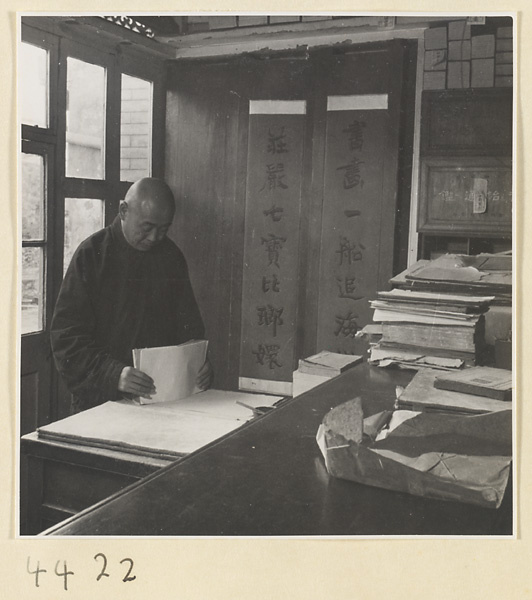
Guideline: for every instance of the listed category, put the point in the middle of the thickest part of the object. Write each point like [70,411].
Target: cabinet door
[473,122]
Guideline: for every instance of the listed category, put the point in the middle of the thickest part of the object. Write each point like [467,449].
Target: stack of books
[445,330]
[317,369]
[481,381]
[472,391]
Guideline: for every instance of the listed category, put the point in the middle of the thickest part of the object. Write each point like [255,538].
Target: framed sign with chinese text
[358,210]
[271,244]
[465,195]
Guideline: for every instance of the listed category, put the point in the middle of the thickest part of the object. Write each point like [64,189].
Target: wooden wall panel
[201,168]
[206,165]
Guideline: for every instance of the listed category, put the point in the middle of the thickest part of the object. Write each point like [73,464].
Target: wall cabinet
[466,193]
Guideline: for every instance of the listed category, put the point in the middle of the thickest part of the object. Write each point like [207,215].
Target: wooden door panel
[35,382]
[29,402]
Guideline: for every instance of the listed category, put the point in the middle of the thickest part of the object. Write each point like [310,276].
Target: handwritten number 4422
[100,557]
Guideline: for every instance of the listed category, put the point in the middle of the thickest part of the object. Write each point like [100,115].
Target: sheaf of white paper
[174,369]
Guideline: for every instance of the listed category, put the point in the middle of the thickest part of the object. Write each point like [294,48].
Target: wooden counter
[60,479]
[268,478]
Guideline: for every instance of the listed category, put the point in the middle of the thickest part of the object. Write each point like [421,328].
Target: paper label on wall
[271,246]
[480,195]
[357,102]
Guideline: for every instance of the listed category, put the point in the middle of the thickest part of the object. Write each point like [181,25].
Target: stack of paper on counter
[450,326]
[170,429]
[421,394]
[318,368]
[174,369]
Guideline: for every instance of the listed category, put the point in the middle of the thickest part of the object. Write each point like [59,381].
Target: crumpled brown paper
[445,456]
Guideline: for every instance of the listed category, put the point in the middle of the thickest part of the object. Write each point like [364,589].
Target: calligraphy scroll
[271,245]
[353,207]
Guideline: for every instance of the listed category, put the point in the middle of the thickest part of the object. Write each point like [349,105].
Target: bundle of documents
[480,381]
[174,369]
[328,363]
[317,369]
[463,458]
[483,274]
[429,324]
[386,357]
[422,394]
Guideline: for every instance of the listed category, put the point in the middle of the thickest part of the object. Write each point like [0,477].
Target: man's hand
[205,376]
[135,382]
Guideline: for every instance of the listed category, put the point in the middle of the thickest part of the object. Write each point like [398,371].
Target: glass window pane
[32,290]
[85,128]
[32,196]
[83,217]
[135,128]
[33,88]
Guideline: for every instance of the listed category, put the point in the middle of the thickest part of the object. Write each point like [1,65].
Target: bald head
[147,212]
[152,192]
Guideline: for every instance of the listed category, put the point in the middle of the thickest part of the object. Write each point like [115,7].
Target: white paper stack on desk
[166,429]
[317,369]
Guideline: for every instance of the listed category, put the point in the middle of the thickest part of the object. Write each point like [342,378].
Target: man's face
[145,224]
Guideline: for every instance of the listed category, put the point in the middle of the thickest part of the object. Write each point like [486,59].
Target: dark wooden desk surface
[269,478]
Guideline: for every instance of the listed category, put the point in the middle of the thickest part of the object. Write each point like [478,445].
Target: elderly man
[126,287]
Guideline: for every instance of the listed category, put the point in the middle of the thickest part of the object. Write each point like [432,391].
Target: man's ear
[122,209]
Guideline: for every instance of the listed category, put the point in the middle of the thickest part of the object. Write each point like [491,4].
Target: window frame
[49,43]
[81,187]
[46,151]
[62,37]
